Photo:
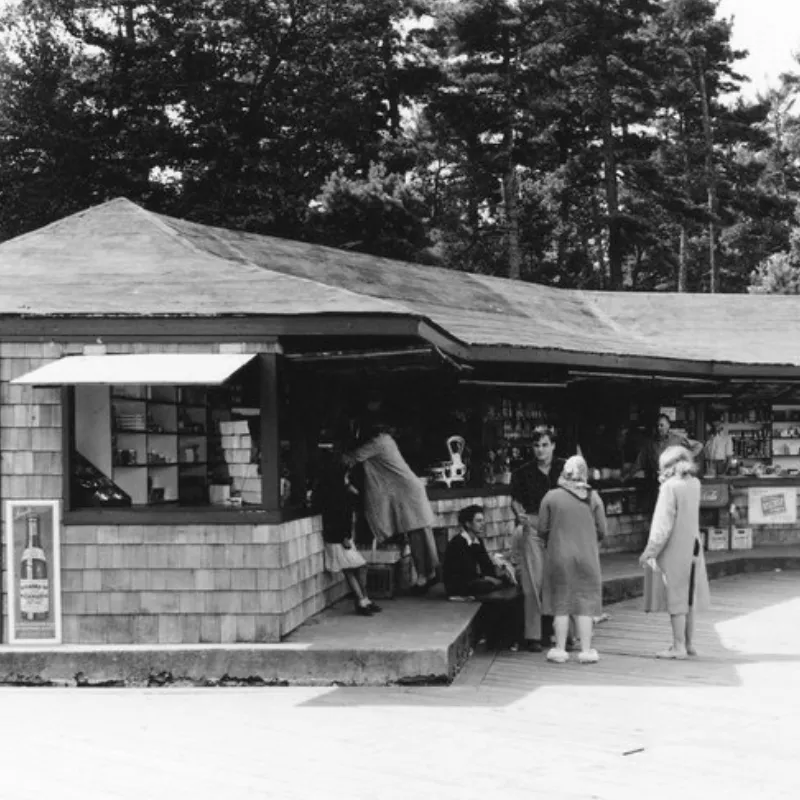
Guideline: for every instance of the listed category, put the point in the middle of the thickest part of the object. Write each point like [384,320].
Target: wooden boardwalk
[724,725]
[744,628]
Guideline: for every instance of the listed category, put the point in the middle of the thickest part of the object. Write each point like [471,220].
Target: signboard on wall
[714,495]
[33,547]
[774,505]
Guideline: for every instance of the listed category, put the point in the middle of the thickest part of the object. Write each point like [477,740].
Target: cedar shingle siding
[162,583]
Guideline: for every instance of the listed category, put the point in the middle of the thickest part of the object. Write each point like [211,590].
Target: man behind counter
[650,453]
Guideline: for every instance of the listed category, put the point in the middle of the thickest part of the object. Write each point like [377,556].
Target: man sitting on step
[470,573]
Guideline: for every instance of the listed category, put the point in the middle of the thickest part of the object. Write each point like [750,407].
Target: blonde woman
[675,570]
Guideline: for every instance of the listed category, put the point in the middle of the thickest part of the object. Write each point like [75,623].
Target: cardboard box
[235,441]
[718,539]
[237,456]
[219,494]
[243,470]
[742,539]
[239,426]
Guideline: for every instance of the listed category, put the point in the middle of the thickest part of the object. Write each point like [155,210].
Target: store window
[140,445]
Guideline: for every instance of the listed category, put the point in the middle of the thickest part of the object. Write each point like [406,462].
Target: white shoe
[588,657]
[557,655]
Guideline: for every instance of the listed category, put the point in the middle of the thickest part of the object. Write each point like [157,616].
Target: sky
[770,30]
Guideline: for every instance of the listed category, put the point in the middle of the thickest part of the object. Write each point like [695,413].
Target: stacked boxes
[715,538]
[742,539]
[237,449]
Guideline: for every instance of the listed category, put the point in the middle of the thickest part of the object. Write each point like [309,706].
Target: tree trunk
[683,267]
[711,178]
[683,256]
[510,181]
[511,203]
[563,210]
[611,184]
[599,248]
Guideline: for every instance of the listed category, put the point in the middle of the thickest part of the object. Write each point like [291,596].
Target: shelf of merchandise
[786,435]
[155,424]
[751,433]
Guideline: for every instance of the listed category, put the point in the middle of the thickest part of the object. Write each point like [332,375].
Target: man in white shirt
[718,449]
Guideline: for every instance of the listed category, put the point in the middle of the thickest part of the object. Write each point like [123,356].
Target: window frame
[270,511]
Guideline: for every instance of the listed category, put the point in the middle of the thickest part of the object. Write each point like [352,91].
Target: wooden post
[270,432]
[67,445]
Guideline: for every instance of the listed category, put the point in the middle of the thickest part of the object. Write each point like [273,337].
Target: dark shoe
[363,611]
[374,608]
[533,646]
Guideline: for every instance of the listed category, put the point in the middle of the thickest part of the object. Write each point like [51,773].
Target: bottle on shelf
[34,584]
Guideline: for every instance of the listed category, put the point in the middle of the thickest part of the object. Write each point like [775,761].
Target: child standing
[338,501]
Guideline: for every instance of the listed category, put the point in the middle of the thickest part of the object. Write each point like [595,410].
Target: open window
[156,430]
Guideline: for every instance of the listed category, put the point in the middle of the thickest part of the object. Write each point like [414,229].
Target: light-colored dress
[529,555]
[572,527]
[339,558]
[395,500]
[675,544]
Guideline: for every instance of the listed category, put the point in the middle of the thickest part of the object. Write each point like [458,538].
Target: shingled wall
[626,532]
[156,583]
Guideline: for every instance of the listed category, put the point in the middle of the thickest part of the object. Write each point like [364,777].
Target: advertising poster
[772,505]
[32,558]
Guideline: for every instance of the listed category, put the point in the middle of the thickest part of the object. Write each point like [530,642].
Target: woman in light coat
[395,501]
[675,570]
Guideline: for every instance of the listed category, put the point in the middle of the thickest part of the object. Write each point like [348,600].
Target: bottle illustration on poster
[34,587]
[32,536]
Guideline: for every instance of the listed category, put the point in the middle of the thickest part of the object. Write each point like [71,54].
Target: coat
[395,500]
[674,539]
[529,555]
[571,527]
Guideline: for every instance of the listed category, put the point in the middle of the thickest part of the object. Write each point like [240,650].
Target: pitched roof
[118,259]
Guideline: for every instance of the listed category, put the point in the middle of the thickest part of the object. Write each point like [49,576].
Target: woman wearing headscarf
[572,521]
[675,578]
[395,500]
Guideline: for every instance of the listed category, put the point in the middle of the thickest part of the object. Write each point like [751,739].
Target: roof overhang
[174,369]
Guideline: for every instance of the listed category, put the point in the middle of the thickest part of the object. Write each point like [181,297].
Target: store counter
[767,506]
[628,519]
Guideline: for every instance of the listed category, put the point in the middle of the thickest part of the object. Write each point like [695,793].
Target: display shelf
[162,421]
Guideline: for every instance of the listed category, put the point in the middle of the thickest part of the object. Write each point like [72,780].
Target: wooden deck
[744,629]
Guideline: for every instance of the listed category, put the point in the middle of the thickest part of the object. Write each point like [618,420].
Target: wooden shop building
[167,390]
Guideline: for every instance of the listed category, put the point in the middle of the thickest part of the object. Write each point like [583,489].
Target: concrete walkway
[631,727]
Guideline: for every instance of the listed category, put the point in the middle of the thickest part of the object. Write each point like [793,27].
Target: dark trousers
[548,631]
[500,620]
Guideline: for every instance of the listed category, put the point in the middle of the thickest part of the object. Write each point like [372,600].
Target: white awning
[173,369]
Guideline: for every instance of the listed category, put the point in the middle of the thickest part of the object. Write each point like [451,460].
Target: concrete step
[414,640]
